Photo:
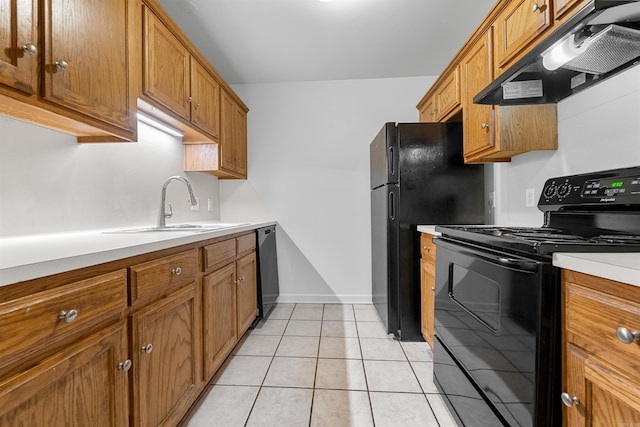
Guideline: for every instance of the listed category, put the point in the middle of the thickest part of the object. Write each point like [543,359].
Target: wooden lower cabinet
[84,384]
[166,358]
[427,286]
[230,303]
[601,384]
[219,317]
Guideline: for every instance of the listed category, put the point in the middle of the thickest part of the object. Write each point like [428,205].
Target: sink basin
[197,228]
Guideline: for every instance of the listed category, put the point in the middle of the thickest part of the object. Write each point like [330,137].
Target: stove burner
[618,239]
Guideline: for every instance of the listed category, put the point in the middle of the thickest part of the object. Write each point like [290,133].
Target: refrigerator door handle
[391,162]
[392,207]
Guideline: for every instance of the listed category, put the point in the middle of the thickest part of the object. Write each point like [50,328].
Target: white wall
[309,167]
[598,129]
[50,183]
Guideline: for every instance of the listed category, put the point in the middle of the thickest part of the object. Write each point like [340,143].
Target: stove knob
[564,190]
[550,191]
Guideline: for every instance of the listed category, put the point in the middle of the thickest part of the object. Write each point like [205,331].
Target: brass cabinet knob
[485,126]
[147,348]
[62,64]
[176,271]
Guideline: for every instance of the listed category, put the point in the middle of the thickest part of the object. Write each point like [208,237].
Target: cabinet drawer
[154,278]
[37,323]
[246,244]
[219,254]
[427,247]
[595,316]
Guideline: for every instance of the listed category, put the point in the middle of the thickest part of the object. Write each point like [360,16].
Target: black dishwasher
[268,288]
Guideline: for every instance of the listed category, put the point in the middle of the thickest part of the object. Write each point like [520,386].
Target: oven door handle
[523,265]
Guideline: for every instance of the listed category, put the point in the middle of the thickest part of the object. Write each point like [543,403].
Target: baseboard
[325,299]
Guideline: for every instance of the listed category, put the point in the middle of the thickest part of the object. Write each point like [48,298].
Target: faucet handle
[169,212]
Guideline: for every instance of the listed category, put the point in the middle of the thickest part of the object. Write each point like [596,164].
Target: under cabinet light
[562,53]
[159,125]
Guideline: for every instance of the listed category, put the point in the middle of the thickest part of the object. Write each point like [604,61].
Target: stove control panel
[614,187]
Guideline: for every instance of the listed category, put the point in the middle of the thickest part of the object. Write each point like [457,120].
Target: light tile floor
[323,365]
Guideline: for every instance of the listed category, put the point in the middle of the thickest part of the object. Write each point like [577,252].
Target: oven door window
[478,295]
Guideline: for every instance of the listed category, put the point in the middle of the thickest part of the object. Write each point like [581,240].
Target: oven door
[496,315]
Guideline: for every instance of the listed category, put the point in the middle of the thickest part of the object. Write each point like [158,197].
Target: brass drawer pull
[62,64]
[176,271]
[30,48]
[147,348]
[68,316]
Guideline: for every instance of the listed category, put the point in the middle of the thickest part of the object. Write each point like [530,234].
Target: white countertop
[621,267]
[29,257]
[430,229]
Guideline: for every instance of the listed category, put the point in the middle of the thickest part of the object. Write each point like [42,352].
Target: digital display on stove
[617,187]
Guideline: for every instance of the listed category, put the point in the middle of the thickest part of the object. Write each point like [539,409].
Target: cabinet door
[518,26]
[205,91]
[18,45]
[478,120]
[79,386]
[564,9]
[165,358]
[219,317]
[427,286]
[166,74]
[240,140]
[227,144]
[247,292]
[428,111]
[86,58]
[448,95]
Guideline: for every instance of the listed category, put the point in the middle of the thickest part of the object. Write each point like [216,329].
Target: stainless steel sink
[194,228]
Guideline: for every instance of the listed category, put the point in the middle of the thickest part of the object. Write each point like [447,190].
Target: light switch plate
[530,197]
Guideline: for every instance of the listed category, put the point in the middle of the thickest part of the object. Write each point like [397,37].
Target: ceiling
[268,41]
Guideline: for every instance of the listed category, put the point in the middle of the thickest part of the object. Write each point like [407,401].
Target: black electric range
[594,212]
[497,299]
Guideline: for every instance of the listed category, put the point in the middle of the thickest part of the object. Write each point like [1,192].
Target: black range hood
[601,40]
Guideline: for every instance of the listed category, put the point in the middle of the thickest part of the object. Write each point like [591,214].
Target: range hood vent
[600,41]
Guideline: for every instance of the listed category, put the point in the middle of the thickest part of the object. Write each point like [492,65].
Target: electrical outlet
[210,204]
[530,197]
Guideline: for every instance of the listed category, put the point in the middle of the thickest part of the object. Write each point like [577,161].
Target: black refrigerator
[418,177]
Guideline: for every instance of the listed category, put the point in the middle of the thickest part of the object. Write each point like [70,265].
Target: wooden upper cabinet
[205,105]
[427,110]
[564,9]
[520,24]
[479,120]
[233,137]
[448,95]
[19,45]
[86,61]
[166,74]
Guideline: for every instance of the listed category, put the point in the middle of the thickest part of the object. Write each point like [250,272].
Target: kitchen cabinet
[19,41]
[564,9]
[601,319]
[493,133]
[83,85]
[84,384]
[175,81]
[518,27]
[427,110]
[447,97]
[233,141]
[427,286]
[166,359]
[230,297]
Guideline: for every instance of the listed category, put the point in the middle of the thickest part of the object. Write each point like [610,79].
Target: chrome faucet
[163,215]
